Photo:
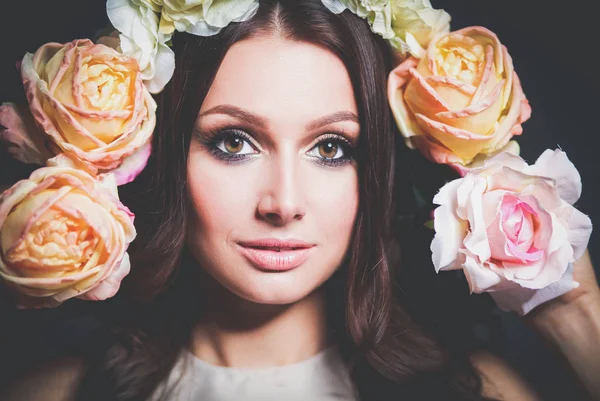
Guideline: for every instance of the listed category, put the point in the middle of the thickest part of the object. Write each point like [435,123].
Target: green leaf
[429,224]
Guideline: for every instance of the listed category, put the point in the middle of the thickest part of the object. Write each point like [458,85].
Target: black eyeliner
[347,147]
[212,138]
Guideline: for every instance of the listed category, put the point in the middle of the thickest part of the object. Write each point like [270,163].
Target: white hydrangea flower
[138,26]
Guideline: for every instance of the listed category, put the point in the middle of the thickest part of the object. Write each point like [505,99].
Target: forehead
[275,77]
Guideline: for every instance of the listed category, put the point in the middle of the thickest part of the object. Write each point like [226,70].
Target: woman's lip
[276,243]
[275,261]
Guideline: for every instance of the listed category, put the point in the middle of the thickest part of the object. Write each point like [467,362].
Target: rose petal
[164,64]
[397,79]
[446,195]
[20,219]
[512,148]
[335,6]
[477,241]
[26,142]
[41,286]
[108,287]
[580,230]
[422,97]
[221,13]
[506,159]
[448,239]
[480,117]
[510,124]
[434,151]
[480,278]
[465,144]
[132,165]
[524,300]
[553,268]
[492,202]
[556,165]
[467,185]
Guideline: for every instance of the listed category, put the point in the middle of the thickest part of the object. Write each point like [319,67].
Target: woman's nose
[283,196]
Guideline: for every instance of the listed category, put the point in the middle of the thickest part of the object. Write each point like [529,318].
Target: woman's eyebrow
[261,122]
[332,118]
[238,113]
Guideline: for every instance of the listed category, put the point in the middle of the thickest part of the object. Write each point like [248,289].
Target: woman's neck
[238,333]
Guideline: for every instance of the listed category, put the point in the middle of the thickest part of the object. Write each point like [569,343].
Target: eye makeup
[337,142]
[216,143]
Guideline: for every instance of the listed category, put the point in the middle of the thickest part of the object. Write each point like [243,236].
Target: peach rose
[461,100]
[63,234]
[92,104]
[512,228]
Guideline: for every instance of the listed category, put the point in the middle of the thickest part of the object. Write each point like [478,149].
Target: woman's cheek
[334,201]
[223,198]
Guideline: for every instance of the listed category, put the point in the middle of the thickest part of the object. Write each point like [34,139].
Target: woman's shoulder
[500,380]
[52,381]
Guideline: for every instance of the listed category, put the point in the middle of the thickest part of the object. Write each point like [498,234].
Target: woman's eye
[235,144]
[328,149]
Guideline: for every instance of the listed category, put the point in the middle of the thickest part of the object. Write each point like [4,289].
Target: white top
[323,377]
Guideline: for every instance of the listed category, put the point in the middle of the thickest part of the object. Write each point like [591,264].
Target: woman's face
[271,174]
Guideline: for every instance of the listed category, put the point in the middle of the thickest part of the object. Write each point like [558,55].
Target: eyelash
[214,138]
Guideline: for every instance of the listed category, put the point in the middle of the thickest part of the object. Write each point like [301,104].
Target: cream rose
[415,24]
[200,17]
[461,100]
[512,228]
[91,103]
[377,12]
[63,234]
[409,25]
[138,36]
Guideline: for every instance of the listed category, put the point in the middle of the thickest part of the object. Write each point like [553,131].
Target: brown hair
[391,355]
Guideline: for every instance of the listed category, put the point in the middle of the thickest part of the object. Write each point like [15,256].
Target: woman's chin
[271,293]
[273,288]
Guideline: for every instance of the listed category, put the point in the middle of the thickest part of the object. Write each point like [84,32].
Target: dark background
[554,47]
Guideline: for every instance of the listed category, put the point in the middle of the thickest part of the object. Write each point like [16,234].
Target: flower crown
[509,226]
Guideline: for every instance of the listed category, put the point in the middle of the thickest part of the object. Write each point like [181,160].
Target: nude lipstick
[275,255]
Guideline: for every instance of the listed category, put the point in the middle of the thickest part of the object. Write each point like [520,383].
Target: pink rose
[461,100]
[63,234]
[512,228]
[92,105]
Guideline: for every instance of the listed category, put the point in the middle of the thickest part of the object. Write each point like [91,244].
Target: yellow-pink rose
[462,101]
[63,234]
[91,102]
